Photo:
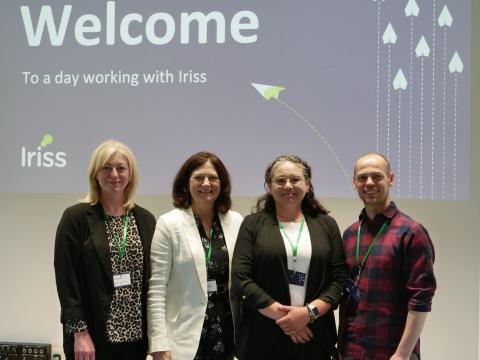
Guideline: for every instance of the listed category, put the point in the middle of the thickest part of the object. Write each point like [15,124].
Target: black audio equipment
[24,351]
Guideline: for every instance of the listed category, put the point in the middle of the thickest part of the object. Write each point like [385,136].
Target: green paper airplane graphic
[268,91]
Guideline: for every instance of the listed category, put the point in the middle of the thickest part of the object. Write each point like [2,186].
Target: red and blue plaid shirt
[397,277]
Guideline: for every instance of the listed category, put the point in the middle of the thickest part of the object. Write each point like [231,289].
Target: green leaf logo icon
[47,140]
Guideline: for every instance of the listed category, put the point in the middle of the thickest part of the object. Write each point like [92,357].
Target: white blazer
[177,297]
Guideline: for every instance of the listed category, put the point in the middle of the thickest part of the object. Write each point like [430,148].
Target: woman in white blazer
[189,313]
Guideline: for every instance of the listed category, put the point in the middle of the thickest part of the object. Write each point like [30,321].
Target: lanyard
[370,247]
[208,255]
[120,248]
[294,247]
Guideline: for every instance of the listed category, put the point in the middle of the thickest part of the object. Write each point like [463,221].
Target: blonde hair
[99,158]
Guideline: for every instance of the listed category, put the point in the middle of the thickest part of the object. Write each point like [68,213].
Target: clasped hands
[293,320]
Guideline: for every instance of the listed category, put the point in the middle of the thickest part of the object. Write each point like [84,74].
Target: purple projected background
[392,76]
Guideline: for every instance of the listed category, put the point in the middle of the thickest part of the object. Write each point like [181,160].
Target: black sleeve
[67,263]
[244,284]
[338,269]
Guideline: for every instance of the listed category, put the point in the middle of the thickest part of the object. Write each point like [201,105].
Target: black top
[218,267]
[216,339]
[259,278]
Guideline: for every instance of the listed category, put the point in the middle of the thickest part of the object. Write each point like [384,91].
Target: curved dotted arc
[327,144]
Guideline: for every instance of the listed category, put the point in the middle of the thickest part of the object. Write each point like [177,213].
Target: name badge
[296,278]
[353,290]
[122,280]
[212,285]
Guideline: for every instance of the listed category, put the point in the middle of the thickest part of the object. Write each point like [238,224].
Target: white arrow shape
[456,64]
[445,18]
[389,36]
[400,82]
[422,48]
[412,8]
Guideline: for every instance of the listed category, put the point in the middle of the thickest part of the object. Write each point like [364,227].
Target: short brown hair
[181,192]
[388,169]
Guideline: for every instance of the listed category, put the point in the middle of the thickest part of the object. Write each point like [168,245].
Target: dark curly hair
[181,192]
[310,205]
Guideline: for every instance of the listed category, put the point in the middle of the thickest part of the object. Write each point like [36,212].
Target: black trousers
[121,351]
[288,350]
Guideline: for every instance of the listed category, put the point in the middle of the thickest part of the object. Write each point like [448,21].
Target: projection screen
[245,80]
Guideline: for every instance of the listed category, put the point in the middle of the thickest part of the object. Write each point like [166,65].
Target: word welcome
[159,28]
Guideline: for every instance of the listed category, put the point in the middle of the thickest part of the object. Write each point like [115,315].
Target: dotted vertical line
[388,101]
[433,97]
[399,142]
[455,142]
[410,113]
[444,109]
[421,135]
[378,71]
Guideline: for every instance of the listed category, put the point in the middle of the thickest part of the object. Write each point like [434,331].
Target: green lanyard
[294,247]
[208,255]
[120,249]
[370,247]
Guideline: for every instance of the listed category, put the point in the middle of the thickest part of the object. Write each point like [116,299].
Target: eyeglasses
[282,181]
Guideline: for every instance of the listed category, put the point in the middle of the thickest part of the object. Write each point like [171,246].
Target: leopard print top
[124,319]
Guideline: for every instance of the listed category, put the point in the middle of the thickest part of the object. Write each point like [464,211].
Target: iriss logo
[41,158]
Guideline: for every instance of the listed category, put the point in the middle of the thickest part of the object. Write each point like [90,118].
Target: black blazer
[83,269]
[259,278]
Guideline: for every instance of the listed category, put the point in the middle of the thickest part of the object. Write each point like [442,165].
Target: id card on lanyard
[294,277]
[121,279]
[211,283]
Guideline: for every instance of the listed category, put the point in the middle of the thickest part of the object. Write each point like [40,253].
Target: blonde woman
[102,251]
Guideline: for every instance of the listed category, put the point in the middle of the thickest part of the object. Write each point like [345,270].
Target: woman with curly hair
[288,270]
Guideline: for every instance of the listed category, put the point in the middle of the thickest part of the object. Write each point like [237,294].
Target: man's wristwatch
[313,312]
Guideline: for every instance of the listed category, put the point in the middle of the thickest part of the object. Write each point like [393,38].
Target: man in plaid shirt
[391,282]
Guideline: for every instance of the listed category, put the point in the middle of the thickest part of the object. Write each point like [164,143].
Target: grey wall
[29,309]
